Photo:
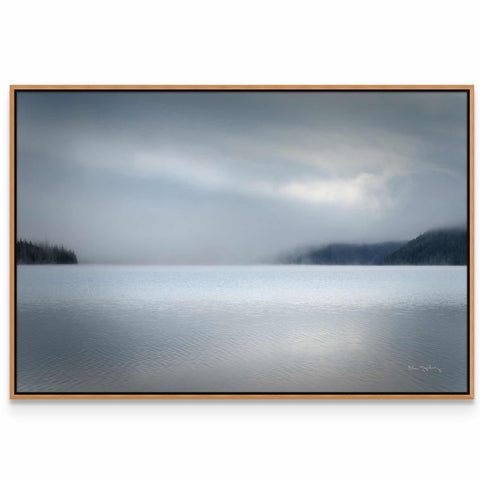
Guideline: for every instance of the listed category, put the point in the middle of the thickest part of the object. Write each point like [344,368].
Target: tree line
[448,246]
[28,252]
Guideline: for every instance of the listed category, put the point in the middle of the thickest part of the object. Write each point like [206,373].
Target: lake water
[241,329]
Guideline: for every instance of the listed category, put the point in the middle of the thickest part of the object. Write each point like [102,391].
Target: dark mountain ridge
[435,247]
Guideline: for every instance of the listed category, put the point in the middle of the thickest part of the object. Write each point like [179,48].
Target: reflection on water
[241,329]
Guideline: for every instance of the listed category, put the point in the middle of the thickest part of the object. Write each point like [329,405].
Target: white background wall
[233,42]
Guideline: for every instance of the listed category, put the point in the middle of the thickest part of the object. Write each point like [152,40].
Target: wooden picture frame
[468,89]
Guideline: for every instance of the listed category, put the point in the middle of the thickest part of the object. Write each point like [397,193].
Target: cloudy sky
[236,177]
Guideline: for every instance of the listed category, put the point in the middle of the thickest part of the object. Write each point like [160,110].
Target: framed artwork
[268,241]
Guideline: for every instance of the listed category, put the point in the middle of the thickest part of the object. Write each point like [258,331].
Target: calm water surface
[241,329]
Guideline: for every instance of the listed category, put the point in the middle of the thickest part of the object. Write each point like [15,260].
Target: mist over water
[241,329]
[236,177]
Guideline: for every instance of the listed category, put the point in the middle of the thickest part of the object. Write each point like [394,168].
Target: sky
[236,177]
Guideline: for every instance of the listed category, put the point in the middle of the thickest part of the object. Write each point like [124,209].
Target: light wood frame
[470,122]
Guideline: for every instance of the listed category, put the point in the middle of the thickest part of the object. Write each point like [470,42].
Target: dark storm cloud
[227,177]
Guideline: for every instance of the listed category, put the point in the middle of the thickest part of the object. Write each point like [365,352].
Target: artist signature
[425,368]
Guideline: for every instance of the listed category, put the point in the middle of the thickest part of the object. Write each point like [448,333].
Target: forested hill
[436,247]
[346,254]
[43,253]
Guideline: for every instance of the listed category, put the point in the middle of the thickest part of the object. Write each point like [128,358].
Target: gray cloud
[228,177]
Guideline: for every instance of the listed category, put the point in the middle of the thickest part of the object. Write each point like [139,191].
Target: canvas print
[241,241]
